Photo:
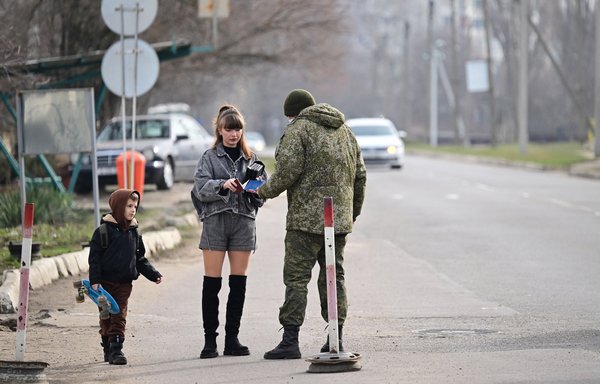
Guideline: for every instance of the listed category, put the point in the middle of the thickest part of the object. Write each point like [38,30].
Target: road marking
[566,204]
[484,187]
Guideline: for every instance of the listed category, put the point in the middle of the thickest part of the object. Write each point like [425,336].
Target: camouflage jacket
[318,157]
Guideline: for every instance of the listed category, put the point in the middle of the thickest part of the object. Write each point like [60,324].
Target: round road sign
[120,15]
[148,66]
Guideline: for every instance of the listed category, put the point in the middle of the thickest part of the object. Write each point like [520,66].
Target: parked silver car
[379,140]
[171,143]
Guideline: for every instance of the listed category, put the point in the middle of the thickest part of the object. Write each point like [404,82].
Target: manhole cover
[453,332]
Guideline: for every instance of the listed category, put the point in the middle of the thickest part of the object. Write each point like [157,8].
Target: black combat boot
[116,356]
[106,347]
[235,307]
[325,347]
[210,315]
[288,348]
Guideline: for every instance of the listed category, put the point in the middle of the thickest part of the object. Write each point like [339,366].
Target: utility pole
[454,70]
[597,85]
[433,96]
[406,91]
[522,96]
[432,76]
[488,44]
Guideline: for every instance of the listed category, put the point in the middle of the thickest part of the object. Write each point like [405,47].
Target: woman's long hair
[230,118]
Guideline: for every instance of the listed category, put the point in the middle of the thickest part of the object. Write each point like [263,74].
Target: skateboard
[101,297]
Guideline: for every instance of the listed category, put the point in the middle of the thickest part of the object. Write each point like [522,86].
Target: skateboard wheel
[77,284]
[104,314]
[79,297]
[103,304]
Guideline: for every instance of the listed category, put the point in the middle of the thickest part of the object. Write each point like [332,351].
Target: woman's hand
[233,185]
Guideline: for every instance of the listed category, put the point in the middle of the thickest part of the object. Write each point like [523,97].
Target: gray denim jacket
[214,168]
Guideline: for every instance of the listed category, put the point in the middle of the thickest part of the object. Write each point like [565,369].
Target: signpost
[130,66]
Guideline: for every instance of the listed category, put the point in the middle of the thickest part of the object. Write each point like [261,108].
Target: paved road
[457,273]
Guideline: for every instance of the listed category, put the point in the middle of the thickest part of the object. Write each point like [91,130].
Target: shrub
[51,206]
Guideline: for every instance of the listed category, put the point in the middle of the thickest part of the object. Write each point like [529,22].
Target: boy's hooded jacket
[124,259]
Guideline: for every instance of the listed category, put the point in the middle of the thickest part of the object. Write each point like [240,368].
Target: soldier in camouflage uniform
[317,157]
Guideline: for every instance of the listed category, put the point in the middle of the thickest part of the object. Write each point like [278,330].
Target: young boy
[117,257]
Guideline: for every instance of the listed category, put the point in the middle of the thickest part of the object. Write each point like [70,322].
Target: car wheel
[396,166]
[165,180]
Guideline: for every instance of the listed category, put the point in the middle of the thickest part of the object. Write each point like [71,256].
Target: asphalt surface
[424,308]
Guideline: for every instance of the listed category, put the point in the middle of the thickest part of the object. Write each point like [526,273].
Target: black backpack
[104,236]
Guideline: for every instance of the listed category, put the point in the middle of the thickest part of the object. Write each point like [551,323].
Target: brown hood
[118,201]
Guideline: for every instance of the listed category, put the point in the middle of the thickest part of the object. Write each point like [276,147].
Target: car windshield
[373,130]
[145,129]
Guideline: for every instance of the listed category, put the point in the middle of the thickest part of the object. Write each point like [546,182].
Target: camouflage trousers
[302,251]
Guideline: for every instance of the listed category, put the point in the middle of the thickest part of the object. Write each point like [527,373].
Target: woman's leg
[238,261]
[213,264]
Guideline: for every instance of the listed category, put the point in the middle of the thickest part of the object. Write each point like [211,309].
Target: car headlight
[149,153]
[392,149]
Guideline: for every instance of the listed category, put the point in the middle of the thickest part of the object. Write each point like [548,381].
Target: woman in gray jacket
[228,214]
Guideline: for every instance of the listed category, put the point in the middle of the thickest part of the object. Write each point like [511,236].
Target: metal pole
[523,133]
[488,47]
[597,86]
[406,89]
[95,187]
[123,122]
[20,150]
[134,101]
[216,4]
[433,96]
[452,100]
[24,281]
[334,345]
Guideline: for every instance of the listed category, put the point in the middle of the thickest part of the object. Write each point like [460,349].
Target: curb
[46,270]
[579,170]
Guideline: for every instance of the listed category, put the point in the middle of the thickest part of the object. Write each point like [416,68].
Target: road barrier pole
[24,283]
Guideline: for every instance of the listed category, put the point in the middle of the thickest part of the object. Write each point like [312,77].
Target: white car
[379,140]
[256,141]
[171,143]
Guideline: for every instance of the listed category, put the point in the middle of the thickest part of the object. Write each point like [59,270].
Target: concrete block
[61,266]
[170,237]
[82,260]
[70,260]
[37,277]
[48,266]
[9,291]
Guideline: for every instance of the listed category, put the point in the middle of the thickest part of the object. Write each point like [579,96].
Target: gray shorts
[228,231]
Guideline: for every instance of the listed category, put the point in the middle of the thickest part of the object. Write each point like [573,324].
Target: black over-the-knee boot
[210,315]
[235,308]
